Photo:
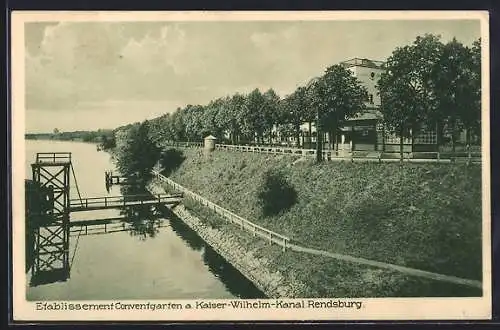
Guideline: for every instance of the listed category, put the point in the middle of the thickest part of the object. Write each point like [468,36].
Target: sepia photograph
[250,165]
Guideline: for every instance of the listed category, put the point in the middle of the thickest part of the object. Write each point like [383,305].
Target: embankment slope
[425,216]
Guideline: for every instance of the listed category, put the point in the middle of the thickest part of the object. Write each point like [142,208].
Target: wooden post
[284,244]
[105,201]
[270,238]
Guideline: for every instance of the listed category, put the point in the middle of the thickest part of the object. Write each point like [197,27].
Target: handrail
[183,144]
[108,200]
[352,156]
[131,196]
[286,243]
[234,218]
[53,156]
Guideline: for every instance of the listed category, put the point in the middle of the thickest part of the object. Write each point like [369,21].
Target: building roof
[210,137]
[368,115]
[363,62]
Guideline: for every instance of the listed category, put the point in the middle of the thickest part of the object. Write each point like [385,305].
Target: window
[372,75]
[371,98]
[426,137]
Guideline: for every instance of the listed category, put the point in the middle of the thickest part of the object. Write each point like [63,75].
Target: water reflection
[234,281]
[162,257]
[145,221]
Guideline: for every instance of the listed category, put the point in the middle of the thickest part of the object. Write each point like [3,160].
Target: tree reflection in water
[233,280]
[144,220]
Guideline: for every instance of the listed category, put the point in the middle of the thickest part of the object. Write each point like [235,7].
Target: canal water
[158,258]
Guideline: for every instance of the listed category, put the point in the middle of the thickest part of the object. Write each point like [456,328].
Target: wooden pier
[111,179]
[112,202]
[50,226]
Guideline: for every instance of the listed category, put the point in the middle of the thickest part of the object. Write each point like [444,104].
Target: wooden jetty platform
[111,202]
[51,227]
[111,179]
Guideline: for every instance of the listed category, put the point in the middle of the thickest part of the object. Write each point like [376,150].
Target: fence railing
[356,156]
[112,201]
[53,157]
[243,223]
[285,242]
[183,144]
[473,155]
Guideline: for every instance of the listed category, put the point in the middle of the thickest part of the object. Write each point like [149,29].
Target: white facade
[368,72]
[369,78]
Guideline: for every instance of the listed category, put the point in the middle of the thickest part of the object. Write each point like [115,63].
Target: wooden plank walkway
[111,202]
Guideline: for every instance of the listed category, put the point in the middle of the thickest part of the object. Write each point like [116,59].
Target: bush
[137,154]
[276,195]
[170,160]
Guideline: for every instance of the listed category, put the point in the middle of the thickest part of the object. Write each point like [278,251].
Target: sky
[91,75]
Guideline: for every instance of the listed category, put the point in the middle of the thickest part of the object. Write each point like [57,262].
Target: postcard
[317,165]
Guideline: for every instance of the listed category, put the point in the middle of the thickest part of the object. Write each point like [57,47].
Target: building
[361,131]
[366,131]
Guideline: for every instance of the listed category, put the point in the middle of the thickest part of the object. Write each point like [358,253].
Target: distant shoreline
[58,140]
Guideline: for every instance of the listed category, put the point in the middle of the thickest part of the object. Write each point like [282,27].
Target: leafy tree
[233,112]
[271,112]
[212,121]
[407,96]
[252,119]
[295,108]
[457,84]
[177,125]
[227,116]
[287,130]
[193,121]
[473,122]
[137,155]
[337,95]
[108,142]
[312,111]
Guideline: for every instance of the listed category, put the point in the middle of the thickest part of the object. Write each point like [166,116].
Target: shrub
[170,160]
[275,194]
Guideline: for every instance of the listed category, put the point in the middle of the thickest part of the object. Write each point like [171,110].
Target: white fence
[355,156]
[256,230]
[183,144]
[344,155]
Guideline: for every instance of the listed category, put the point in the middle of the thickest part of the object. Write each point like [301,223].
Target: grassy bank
[327,277]
[424,216]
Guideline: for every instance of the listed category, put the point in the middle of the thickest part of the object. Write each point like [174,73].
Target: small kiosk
[210,143]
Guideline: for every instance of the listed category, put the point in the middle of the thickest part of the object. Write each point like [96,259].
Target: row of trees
[263,116]
[432,85]
[428,84]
